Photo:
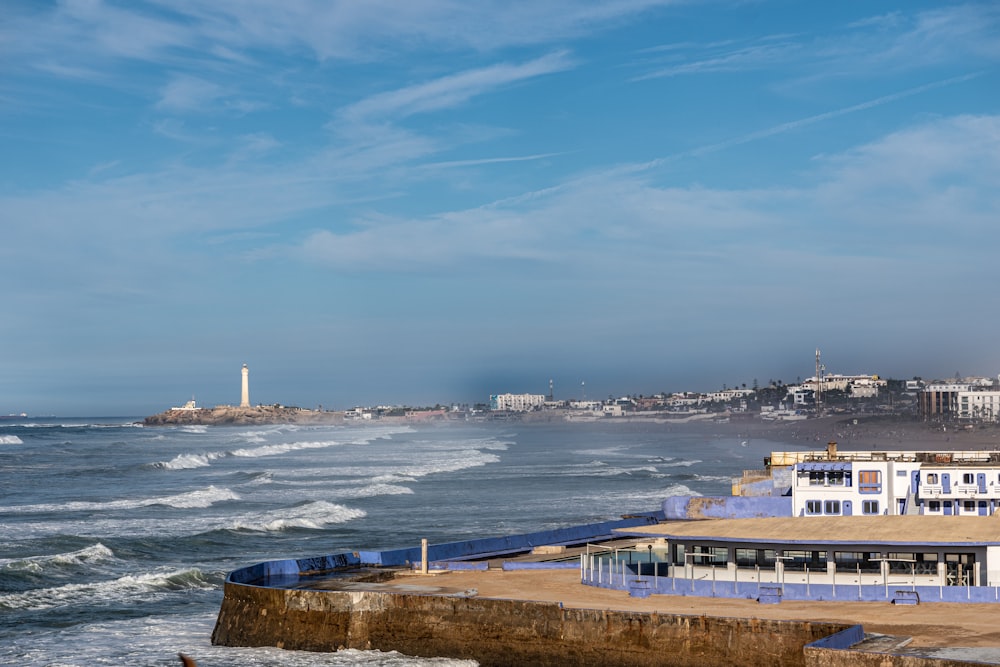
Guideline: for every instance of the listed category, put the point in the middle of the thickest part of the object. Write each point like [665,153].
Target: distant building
[516,402]
[855,386]
[969,401]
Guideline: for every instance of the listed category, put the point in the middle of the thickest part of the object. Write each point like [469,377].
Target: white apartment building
[982,405]
[516,402]
[897,483]
[859,386]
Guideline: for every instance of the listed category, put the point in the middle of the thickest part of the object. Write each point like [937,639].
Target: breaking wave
[121,590]
[198,498]
[315,515]
[96,553]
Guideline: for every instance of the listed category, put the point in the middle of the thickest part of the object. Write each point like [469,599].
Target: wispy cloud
[490,160]
[818,118]
[453,90]
[756,56]
[958,35]
[186,93]
[640,229]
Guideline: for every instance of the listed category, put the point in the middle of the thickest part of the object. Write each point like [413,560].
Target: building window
[836,477]
[816,478]
[800,560]
[934,506]
[853,561]
[912,563]
[968,478]
[969,506]
[869,481]
[932,478]
[869,507]
[755,557]
[814,507]
[709,555]
[831,507]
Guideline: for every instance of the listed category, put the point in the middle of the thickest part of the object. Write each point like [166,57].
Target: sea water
[115,539]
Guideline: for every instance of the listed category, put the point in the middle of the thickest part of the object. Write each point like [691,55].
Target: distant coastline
[882,432]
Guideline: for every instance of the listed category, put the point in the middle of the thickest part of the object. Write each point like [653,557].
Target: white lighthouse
[245,397]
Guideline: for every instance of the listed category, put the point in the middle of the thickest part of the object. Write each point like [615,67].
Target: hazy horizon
[430,202]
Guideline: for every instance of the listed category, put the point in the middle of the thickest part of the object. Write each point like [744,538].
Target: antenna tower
[819,385]
[551,398]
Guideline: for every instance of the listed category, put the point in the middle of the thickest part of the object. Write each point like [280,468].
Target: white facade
[727,395]
[981,405]
[946,483]
[516,402]
[859,386]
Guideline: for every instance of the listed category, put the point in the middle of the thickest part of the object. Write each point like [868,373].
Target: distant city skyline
[431,202]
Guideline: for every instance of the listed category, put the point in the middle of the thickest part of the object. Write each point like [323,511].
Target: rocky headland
[227,415]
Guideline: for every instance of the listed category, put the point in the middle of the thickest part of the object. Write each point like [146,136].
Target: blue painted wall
[280,572]
[684,508]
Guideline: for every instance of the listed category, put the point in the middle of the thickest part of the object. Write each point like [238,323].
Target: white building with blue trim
[961,483]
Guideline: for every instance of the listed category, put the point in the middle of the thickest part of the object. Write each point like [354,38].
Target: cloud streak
[818,118]
[452,90]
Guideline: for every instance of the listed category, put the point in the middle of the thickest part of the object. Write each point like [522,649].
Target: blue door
[914,481]
[982,508]
[981,481]
[946,482]
[947,507]
[847,508]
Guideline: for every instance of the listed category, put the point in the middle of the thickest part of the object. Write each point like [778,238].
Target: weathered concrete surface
[499,632]
[820,657]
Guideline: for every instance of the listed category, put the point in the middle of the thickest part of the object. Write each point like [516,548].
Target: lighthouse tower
[245,397]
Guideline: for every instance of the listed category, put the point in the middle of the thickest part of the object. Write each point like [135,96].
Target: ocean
[115,539]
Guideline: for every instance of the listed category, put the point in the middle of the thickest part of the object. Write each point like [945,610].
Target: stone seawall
[820,657]
[504,632]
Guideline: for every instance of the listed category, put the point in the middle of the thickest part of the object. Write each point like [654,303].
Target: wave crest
[314,515]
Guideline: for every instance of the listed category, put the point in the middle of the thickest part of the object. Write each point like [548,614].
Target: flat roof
[919,530]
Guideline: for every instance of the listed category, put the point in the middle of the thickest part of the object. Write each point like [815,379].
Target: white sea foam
[190,461]
[10,440]
[284,448]
[191,499]
[392,478]
[714,478]
[316,515]
[615,450]
[682,463]
[194,428]
[95,553]
[117,591]
[376,490]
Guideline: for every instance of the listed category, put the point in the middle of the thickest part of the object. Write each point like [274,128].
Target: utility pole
[819,385]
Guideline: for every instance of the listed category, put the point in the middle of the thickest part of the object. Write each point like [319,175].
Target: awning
[825,466]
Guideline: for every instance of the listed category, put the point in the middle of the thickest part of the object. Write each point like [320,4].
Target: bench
[905,597]
[769,595]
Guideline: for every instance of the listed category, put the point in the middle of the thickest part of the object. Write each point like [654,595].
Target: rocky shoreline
[226,415]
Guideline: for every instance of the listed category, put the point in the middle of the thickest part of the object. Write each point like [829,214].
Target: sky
[433,201]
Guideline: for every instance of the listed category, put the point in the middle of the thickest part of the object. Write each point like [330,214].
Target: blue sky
[431,201]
